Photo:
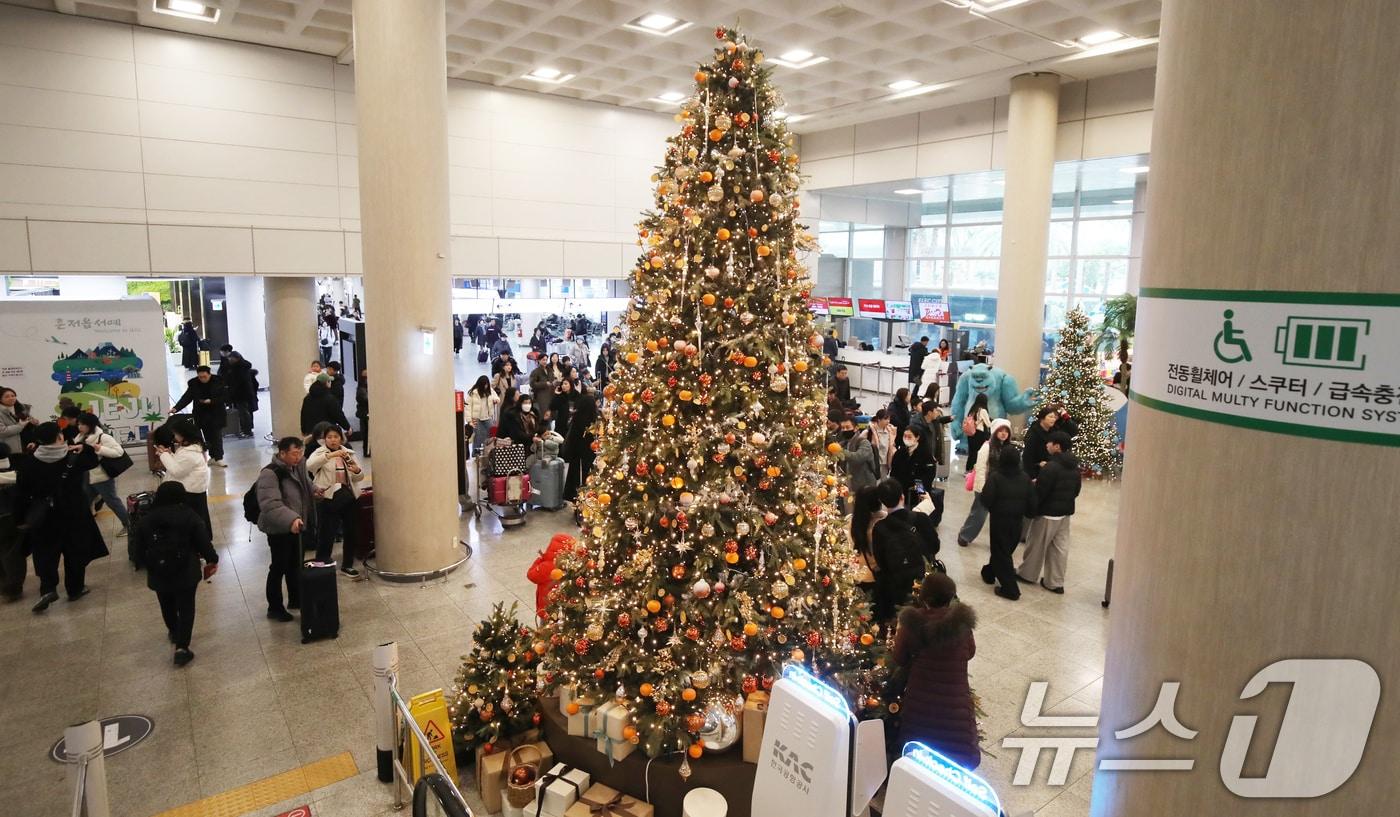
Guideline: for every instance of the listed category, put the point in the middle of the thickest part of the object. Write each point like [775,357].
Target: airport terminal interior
[575,408]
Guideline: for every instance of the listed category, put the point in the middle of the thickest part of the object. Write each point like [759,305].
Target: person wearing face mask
[100,484]
[990,456]
[882,439]
[862,470]
[561,407]
[520,423]
[913,460]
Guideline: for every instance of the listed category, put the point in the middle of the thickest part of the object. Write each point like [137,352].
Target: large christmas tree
[1074,383]
[712,552]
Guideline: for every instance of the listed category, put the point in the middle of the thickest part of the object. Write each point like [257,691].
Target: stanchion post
[386,670]
[82,745]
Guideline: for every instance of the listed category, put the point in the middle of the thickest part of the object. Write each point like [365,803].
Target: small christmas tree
[711,552]
[1074,383]
[495,694]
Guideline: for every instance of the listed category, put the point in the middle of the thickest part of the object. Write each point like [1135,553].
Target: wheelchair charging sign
[1311,364]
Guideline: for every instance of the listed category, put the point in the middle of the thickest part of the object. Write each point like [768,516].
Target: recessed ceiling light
[1100,37]
[661,25]
[903,84]
[188,9]
[797,58]
[670,97]
[550,75]
[1122,201]
[791,118]
[1138,169]
[909,191]
[657,22]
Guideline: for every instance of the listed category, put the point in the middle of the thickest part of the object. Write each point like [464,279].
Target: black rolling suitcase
[1108,586]
[320,607]
[482,356]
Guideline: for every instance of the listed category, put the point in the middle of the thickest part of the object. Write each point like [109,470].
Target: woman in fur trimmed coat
[933,645]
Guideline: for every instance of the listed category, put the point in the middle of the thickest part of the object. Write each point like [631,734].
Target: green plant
[1119,320]
[170,339]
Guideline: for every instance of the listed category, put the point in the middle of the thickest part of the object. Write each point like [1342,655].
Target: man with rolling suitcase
[285,512]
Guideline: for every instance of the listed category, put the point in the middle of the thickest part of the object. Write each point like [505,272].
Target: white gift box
[618,716]
[560,788]
[616,749]
[507,810]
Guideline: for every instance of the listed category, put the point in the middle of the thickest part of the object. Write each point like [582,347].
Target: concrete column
[401,100]
[1030,167]
[290,321]
[1274,166]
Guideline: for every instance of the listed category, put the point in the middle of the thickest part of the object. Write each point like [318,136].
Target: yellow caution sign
[430,712]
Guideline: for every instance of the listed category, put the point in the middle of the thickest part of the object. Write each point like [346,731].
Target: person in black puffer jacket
[169,542]
[1009,497]
[901,542]
[1047,544]
[319,406]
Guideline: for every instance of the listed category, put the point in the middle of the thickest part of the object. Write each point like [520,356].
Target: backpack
[902,547]
[252,511]
[166,555]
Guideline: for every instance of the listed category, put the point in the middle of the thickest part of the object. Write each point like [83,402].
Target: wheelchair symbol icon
[1229,336]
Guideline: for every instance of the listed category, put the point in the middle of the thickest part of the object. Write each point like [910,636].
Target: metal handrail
[394,721]
[441,790]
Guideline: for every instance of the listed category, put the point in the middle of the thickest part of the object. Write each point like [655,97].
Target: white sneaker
[219,463]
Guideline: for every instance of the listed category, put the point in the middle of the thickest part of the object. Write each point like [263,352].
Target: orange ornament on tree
[688,694]
[833,448]
[572,708]
[750,362]
[696,750]
[764,251]
[716,135]
[653,606]
[799,564]
[722,234]
[708,299]
[646,689]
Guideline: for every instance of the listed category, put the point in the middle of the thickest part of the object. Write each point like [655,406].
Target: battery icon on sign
[1327,343]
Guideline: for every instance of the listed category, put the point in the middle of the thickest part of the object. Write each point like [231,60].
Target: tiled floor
[257,702]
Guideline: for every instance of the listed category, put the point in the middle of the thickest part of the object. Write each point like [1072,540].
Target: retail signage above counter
[817,305]
[1310,364]
[899,310]
[871,308]
[931,309]
[840,307]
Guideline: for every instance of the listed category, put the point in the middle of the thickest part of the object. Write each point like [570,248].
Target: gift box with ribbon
[615,749]
[558,789]
[755,714]
[602,801]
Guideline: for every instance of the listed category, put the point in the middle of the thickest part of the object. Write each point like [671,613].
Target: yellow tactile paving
[269,790]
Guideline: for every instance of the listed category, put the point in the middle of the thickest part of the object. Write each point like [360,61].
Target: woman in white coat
[335,478]
[91,434]
[181,450]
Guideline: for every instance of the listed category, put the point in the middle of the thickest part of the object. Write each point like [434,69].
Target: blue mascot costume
[1004,398]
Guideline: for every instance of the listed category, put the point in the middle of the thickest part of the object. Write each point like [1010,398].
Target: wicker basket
[520,795]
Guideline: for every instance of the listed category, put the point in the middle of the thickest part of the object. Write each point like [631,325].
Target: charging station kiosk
[924,782]
[816,759]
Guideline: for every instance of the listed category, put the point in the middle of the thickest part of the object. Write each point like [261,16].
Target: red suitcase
[510,490]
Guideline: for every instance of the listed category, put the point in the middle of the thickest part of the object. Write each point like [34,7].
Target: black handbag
[114,467]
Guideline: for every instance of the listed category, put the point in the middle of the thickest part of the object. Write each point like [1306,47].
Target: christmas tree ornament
[719,728]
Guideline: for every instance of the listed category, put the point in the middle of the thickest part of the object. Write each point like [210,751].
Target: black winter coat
[917,353]
[934,645]
[1058,485]
[320,406]
[189,348]
[177,523]
[1034,453]
[206,415]
[68,527]
[238,377]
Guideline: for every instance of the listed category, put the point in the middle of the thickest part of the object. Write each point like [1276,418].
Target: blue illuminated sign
[817,688]
[959,779]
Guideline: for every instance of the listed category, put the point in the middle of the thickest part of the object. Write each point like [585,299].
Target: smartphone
[919,486]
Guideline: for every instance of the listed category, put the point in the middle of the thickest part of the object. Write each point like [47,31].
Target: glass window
[925,274]
[1105,237]
[868,244]
[973,308]
[1061,238]
[968,274]
[831,277]
[1063,186]
[865,281]
[1057,276]
[837,245]
[1093,307]
[1103,276]
[977,197]
[980,241]
[1055,309]
[926,242]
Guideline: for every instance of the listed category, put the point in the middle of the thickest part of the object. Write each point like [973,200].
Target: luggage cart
[500,458]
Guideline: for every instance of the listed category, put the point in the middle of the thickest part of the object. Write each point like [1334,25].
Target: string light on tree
[709,520]
[495,696]
[1073,382]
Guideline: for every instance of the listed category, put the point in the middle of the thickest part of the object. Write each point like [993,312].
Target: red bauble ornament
[580,583]
[617,578]
[535,719]
[672,366]
[662,625]
[692,633]
[731,546]
[648,395]
[641,469]
[751,553]
[750,684]
[773,155]
[738,644]
[678,571]
[634,416]
[826,581]
[694,722]
[719,33]
[581,646]
[522,775]
[663,708]
[767,682]
[814,639]
[624,620]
